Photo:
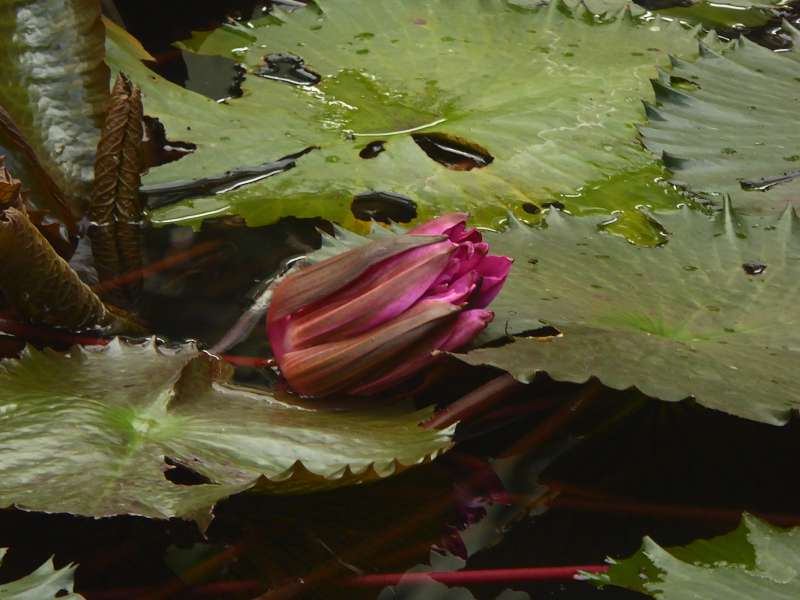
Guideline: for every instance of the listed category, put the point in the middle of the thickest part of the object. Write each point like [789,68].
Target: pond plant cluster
[399,299]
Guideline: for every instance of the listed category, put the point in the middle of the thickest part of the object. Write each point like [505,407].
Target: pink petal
[458,292]
[382,293]
[440,225]
[276,333]
[458,332]
[323,279]
[494,271]
[460,234]
[468,324]
[396,375]
[466,258]
[339,366]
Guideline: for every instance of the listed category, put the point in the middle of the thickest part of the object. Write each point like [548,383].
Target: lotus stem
[476,402]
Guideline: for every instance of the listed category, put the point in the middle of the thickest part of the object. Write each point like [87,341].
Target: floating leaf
[735,14]
[724,124]
[44,583]
[715,305]
[54,85]
[100,431]
[481,106]
[754,561]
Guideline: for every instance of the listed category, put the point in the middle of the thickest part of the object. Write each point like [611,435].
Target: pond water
[555,474]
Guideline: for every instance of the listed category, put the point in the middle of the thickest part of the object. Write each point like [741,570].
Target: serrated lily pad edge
[473,356]
[280,483]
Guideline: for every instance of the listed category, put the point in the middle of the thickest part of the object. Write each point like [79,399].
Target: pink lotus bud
[360,322]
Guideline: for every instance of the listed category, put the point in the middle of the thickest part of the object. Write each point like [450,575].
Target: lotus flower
[362,321]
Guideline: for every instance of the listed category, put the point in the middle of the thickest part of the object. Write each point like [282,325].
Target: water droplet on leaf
[283,66]
[372,149]
[384,207]
[754,268]
[453,152]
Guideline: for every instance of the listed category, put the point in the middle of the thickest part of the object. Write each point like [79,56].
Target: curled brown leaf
[10,189]
[44,288]
[115,209]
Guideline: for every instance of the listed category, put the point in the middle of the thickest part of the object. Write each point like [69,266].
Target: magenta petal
[474,256]
[468,324]
[394,376]
[341,366]
[385,291]
[494,271]
[460,234]
[311,284]
[458,291]
[440,225]
[276,333]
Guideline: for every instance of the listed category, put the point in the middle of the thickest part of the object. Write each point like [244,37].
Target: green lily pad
[54,84]
[754,561]
[96,431]
[44,583]
[735,14]
[552,94]
[715,305]
[725,125]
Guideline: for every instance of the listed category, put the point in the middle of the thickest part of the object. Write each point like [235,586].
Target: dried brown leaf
[10,189]
[115,208]
[48,191]
[44,288]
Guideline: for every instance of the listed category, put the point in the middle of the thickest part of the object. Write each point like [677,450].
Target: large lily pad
[716,305]
[44,583]
[725,124]
[735,14]
[93,432]
[54,84]
[552,94]
[754,561]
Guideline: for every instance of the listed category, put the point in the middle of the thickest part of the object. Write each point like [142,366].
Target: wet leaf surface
[729,136]
[124,408]
[558,114]
[54,84]
[44,583]
[754,561]
[636,317]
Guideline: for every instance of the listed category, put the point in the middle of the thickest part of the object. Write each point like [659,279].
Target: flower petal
[314,283]
[458,332]
[494,271]
[340,366]
[468,324]
[383,292]
[440,225]
[458,291]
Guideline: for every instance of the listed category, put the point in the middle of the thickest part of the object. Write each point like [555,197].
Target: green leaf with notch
[552,94]
[44,583]
[725,124]
[756,560]
[93,432]
[711,314]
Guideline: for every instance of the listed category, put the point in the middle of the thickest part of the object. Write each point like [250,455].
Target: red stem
[247,361]
[152,268]
[670,511]
[503,576]
[46,334]
[476,402]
